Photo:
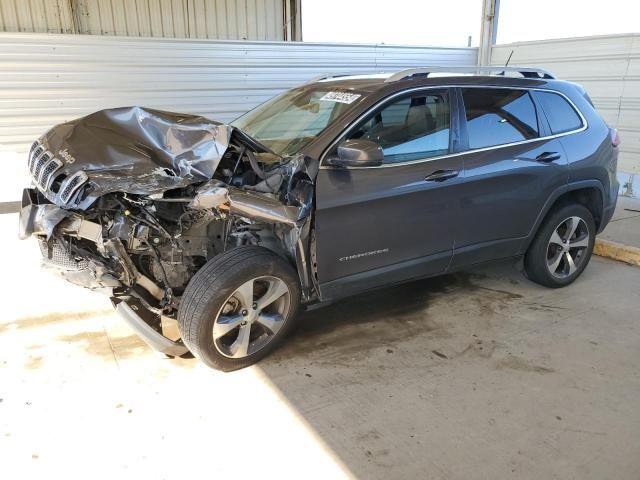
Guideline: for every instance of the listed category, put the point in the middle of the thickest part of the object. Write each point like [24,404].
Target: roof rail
[327,77]
[526,72]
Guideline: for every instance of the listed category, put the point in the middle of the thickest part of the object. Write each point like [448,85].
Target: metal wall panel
[49,79]
[213,19]
[607,66]
[46,16]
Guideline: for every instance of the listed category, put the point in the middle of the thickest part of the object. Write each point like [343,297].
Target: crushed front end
[133,202]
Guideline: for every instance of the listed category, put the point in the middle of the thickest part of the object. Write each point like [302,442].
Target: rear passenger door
[511,166]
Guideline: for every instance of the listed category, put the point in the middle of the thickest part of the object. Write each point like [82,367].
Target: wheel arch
[589,193]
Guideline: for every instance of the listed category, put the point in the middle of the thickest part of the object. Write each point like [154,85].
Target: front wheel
[238,307]
[562,247]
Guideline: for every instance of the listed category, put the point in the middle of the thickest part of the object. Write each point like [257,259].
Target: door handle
[547,157]
[441,175]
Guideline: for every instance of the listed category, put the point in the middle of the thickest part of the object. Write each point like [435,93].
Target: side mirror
[358,153]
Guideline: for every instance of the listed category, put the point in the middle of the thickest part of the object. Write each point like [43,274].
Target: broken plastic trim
[141,320]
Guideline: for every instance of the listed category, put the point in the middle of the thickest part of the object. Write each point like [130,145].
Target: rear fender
[551,201]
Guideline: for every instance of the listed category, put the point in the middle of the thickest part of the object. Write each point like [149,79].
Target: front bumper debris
[147,325]
[40,220]
[37,219]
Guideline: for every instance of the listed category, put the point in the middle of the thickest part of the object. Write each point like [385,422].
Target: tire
[224,317]
[546,261]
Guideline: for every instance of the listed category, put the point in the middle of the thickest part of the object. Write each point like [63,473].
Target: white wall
[609,68]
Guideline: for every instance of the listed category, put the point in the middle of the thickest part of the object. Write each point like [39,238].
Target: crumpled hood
[138,150]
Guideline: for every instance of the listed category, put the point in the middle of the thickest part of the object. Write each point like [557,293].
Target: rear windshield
[290,121]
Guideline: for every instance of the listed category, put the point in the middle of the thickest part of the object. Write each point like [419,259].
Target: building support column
[292,21]
[488,30]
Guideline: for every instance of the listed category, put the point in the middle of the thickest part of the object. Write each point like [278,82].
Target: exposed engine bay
[135,201]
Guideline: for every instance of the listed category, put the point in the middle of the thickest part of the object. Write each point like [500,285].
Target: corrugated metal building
[213,19]
[47,79]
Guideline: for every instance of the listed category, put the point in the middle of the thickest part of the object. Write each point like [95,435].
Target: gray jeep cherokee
[342,185]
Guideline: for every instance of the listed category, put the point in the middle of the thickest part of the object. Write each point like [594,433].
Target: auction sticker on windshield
[341,97]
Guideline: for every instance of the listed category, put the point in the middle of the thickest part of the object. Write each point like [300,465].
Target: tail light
[615,137]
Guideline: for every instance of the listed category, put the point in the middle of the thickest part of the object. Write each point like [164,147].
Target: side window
[411,128]
[496,116]
[561,115]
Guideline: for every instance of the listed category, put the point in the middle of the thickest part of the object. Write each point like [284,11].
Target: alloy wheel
[251,317]
[567,246]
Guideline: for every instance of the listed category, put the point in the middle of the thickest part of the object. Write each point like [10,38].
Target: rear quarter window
[561,115]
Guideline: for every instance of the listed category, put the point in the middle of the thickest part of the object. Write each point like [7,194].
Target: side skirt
[385,276]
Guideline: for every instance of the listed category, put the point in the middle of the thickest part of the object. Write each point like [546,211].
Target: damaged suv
[339,186]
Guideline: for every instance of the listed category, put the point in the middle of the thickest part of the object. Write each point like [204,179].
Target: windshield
[291,120]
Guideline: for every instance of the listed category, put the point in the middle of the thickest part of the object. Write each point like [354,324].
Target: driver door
[382,225]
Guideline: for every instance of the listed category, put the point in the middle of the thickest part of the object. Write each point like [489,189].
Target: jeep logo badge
[66,156]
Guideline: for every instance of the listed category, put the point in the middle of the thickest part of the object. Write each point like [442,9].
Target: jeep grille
[43,167]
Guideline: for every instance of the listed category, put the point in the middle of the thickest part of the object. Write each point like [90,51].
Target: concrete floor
[474,375]
[624,227]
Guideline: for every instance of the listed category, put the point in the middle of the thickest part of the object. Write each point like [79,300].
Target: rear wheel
[238,307]
[562,247]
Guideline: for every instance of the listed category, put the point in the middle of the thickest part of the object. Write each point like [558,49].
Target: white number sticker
[340,97]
